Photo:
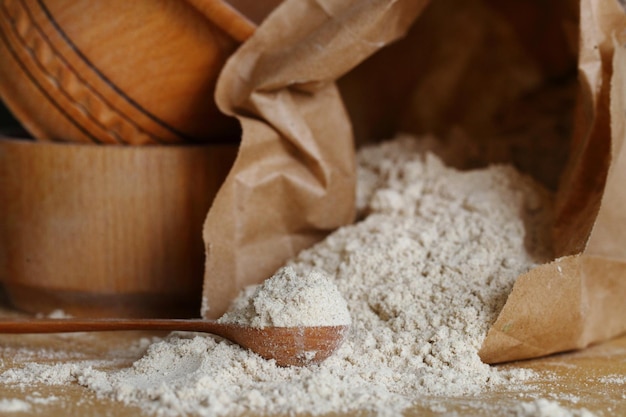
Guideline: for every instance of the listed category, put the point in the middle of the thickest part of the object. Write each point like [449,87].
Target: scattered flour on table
[613,379]
[61,367]
[55,314]
[39,400]
[13,405]
[546,408]
[424,274]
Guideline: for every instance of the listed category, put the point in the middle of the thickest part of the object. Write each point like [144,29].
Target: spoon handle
[103,325]
[288,346]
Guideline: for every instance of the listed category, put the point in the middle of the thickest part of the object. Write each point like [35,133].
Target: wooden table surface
[592,379]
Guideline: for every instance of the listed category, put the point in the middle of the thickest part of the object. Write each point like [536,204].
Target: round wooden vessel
[106,230]
[118,71]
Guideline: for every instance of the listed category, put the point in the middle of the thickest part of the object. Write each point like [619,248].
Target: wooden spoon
[288,346]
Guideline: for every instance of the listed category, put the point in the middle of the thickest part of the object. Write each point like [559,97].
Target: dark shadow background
[9,126]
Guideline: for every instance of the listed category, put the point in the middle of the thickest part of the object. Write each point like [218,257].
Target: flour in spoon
[424,274]
[288,299]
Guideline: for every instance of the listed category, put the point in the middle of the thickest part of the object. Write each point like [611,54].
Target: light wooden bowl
[120,71]
[106,230]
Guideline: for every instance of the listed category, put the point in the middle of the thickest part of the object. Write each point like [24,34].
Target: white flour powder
[290,300]
[424,273]
[545,408]
[14,405]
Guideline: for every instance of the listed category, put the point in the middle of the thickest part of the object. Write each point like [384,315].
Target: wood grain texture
[116,72]
[106,229]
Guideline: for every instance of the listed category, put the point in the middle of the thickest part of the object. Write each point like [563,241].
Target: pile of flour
[290,300]
[424,273]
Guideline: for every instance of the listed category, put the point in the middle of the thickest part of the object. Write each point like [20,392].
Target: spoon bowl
[288,346]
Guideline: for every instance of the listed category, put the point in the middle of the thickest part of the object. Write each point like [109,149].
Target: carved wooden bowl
[119,71]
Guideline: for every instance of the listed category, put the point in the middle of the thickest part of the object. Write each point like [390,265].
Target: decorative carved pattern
[63,86]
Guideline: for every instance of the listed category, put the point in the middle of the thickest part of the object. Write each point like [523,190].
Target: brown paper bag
[495,79]
[293,180]
[580,298]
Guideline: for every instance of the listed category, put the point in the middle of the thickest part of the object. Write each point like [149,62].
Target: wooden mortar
[106,230]
[121,71]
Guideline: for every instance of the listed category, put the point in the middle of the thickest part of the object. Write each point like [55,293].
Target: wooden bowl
[106,230]
[120,71]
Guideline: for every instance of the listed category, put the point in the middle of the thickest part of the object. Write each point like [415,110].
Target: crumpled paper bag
[293,180]
[495,80]
[580,298]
